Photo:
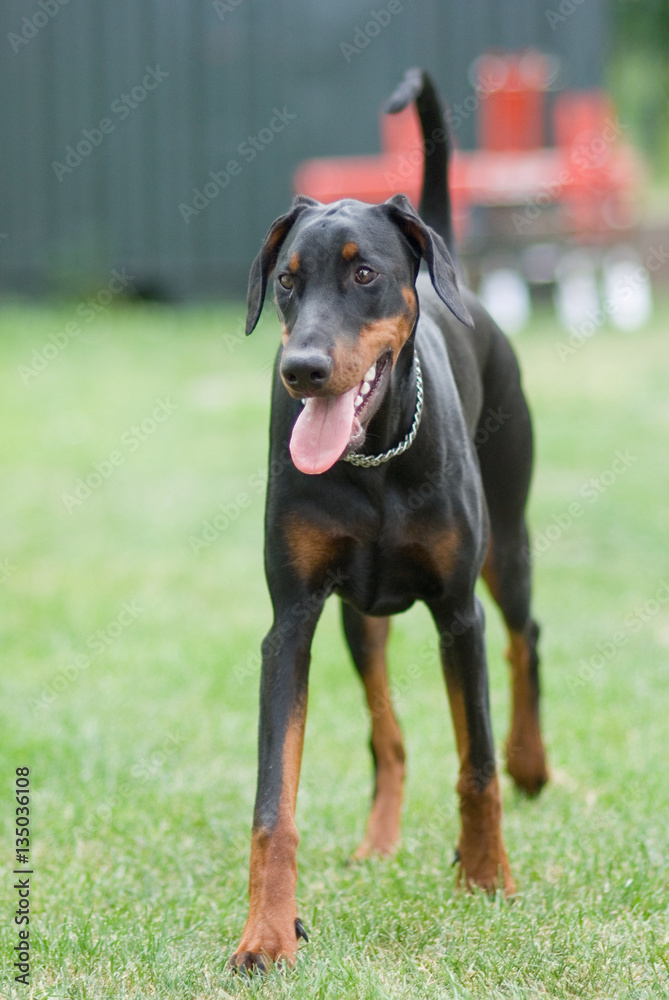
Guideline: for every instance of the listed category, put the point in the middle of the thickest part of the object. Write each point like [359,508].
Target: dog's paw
[490,873]
[380,847]
[264,945]
[526,762]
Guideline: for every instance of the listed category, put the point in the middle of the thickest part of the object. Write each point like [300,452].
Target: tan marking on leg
[269,934]
[294,262]
[483,858]
[349,251]
[526,758]
[456,704]
[383,826]
[482,855]
[312,547]
[489,574]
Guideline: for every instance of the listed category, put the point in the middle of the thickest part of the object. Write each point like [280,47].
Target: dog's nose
[305,371]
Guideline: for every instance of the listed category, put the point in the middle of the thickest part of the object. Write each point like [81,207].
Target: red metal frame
[588,179]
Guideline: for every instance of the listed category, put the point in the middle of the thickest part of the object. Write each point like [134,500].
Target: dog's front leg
[273,928]
[481,850]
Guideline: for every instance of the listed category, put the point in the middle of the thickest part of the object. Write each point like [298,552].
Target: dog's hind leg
[504,442]
[367,638]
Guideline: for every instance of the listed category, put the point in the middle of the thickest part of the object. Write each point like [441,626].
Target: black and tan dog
[404,447]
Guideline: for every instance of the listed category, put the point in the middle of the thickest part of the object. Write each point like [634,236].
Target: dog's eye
[364,275]
[286,281]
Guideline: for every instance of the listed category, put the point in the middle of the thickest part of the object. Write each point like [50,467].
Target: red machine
[515,188]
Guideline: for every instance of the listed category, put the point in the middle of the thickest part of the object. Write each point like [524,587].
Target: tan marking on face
[270,927]
[349,251]
[285,334]
[312,547]
[350,364]
[294,262]
[409,296]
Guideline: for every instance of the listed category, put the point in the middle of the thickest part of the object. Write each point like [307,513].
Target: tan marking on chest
[312,547]
[436,551]
[444,549]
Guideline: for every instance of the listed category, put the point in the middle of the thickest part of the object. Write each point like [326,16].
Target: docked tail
[435,201]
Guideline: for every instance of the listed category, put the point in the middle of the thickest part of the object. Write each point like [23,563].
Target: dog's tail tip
[406,92]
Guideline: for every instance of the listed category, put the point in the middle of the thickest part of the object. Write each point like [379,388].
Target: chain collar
[372,461]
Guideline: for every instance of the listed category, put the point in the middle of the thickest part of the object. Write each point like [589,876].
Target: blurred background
[164,137]
[147,146]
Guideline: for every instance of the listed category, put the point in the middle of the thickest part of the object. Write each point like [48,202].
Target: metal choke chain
[371,461]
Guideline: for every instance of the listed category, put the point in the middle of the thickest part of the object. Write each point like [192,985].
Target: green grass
[142,751]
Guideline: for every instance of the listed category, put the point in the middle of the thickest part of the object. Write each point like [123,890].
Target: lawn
[133,605]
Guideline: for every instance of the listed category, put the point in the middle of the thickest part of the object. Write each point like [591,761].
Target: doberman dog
[400,457]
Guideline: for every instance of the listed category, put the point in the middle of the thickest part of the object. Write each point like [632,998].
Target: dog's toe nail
[300,931]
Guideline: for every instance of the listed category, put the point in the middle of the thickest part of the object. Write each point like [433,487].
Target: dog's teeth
[370,374]
[365,388]
[358,401]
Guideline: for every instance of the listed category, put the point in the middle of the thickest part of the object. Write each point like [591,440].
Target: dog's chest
[406,559]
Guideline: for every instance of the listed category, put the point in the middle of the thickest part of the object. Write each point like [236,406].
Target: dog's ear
[265,262]
[430,246]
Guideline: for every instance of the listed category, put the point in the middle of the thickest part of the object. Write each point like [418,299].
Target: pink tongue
[322,431]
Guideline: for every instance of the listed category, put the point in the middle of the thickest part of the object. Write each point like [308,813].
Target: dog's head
[344,286]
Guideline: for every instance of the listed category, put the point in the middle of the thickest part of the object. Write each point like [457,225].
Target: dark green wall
[229,64]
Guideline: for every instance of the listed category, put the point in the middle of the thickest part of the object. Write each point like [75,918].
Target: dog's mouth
[331,426]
